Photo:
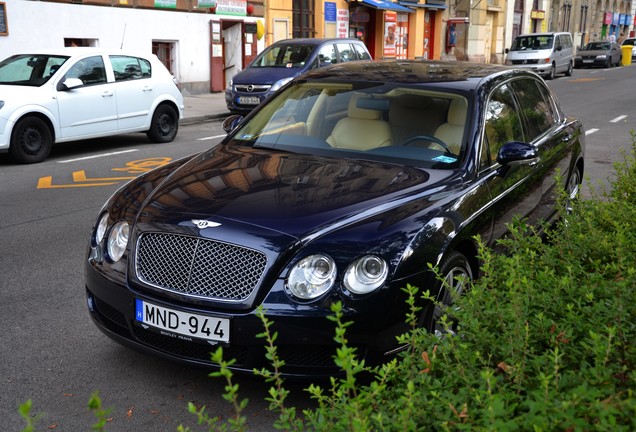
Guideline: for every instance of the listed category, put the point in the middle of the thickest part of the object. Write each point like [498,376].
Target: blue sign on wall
[330,11]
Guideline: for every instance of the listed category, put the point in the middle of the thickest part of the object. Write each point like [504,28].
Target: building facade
[205,42]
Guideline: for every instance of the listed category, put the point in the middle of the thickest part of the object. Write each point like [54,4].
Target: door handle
[107,94]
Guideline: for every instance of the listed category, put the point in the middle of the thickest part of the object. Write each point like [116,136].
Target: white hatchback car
[78,93]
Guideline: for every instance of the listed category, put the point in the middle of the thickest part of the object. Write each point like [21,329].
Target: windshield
[291,55]
[532,42]
[597,46]
[29,70]
[372,121]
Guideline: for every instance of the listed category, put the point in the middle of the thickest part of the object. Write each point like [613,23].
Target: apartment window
[303,19]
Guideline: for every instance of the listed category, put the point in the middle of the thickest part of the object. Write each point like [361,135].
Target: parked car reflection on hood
[343,187]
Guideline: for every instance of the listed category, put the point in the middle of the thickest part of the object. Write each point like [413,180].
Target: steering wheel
[430,138]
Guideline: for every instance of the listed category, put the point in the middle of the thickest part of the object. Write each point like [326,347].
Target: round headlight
[117,240]
[312,276]
[101,228]
[366,274]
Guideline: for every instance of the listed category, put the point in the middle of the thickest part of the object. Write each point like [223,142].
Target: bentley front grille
[199,267]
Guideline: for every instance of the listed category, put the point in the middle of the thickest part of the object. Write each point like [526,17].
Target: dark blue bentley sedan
[343,187]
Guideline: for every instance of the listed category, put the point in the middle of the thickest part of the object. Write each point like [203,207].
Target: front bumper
[233,101]
[305,335]
[590,62]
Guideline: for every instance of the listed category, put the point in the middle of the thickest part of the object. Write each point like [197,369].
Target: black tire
[570,69]
[457,273]
[164,125]
[31,140]
[552,73]
[573,189]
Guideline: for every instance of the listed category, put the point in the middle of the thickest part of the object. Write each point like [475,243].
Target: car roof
[313,41]
[460,75]
[74,51]
[543,34]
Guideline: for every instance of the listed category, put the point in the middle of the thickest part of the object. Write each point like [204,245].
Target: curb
[203,118]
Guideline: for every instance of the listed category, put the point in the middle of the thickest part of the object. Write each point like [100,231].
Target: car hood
[298,195]
[265,75]
[593,52]
[15,95]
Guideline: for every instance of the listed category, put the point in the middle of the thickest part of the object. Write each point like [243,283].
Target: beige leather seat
[413,115]
[452,131]
[362,129]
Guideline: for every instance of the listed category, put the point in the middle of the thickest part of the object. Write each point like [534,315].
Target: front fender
[7,124]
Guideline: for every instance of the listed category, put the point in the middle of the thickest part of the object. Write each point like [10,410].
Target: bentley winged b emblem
[201,224]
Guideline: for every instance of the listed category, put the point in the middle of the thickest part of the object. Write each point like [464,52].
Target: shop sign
[330,12]
[166,4]
[343,23]
[207,3]
[390,33]
[616,18]
[360,16]
[607,18]
[231,7]
[537,14]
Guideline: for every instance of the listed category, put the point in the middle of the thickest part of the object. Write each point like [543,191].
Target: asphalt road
[51,353]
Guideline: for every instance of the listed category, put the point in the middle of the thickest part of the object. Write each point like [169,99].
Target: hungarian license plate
[183,323]
[249,100]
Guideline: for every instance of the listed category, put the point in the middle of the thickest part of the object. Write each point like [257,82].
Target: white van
[544,53]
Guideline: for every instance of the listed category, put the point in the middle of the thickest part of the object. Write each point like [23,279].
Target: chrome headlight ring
[366,274]
[312,276]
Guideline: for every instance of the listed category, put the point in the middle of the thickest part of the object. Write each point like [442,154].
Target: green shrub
[543,341]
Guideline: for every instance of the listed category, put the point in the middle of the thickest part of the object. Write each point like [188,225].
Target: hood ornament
[201,224]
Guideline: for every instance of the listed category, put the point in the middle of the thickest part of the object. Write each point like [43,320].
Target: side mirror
[71,83]
[518,153]
[231,123]
[507,50]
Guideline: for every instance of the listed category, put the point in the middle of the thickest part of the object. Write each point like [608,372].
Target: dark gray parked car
[604,54]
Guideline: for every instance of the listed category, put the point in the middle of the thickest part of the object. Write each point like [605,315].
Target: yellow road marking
[585,79]
[47,183]
[81,180]
[80,176]
[144,165]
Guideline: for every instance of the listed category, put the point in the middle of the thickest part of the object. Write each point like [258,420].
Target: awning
[423,5]
[383,4]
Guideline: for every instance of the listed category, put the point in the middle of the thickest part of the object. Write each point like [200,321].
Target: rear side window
[346,52]
[537,110]
[130,68]
[566,41]
[327,55]
[363,54]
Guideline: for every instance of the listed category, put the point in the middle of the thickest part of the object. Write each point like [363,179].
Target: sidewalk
[204,107]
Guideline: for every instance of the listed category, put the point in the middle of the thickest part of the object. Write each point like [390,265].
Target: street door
[232,49]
